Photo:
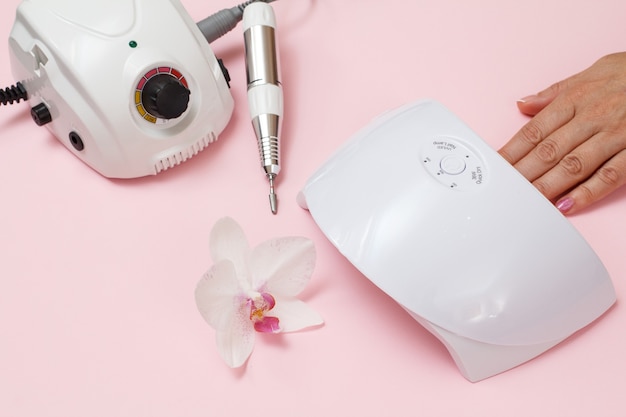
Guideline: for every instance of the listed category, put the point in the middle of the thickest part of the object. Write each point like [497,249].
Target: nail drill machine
[131,87]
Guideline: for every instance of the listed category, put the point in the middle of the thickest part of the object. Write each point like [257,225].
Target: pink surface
[97,316]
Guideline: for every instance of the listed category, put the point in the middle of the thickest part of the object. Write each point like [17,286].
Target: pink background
[97,315]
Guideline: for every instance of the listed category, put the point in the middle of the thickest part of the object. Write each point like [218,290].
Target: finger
[533,104]
[550,152]
[556,114]
[608,178]
[578,165]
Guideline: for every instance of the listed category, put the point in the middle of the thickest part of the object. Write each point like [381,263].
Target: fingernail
[527,98]
[565,204]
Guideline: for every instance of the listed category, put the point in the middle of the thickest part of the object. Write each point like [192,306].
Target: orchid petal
[283,266]
[228,241]
[236,342]
[295,315]
[216,295]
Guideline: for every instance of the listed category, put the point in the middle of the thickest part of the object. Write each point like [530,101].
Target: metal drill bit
[273,199]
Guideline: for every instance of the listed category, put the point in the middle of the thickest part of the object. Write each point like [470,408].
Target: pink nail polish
[565,204]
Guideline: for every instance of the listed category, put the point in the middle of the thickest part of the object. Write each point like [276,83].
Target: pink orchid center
[259,306]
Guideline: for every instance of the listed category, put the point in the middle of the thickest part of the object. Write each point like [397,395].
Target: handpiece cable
[222,22]
[212,27]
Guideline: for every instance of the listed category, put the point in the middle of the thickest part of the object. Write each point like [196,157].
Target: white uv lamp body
[439,221]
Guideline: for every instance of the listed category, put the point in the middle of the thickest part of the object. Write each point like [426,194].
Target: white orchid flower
[254,290]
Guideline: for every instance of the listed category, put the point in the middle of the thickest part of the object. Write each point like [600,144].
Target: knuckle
[547,151]
[573,164]
[532,133]
[609,176]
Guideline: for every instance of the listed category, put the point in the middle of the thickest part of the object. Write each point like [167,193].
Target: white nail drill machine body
[131,87]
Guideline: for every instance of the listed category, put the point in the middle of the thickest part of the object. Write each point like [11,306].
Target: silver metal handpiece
[265,95]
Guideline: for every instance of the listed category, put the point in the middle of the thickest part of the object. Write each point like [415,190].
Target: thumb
[533,104]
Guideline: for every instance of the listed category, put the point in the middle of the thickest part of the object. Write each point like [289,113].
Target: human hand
[574,148]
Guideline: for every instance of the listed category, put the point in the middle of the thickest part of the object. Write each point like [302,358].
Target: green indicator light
[132,44]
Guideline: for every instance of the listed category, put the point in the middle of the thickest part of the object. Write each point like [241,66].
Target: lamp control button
[452,165]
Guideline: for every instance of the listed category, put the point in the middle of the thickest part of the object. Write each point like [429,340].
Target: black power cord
[14,93]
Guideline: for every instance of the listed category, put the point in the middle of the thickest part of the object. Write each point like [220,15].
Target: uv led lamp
[130,87]
[442,224]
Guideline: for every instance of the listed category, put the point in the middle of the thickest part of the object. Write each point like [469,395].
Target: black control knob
[165,97]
